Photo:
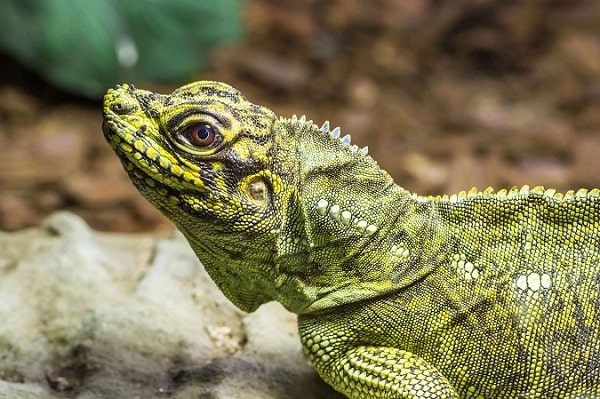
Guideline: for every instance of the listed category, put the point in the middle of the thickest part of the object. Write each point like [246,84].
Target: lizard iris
[479,294]
[201,135]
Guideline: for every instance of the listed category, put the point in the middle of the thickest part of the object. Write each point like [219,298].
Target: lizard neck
[405,248]
[349,232]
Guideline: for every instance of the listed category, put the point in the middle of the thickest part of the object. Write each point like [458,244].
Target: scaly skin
[475,295]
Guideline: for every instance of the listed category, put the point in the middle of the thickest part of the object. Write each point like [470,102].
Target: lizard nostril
[122,107]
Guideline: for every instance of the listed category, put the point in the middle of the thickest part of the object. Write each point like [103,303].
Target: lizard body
[477,295]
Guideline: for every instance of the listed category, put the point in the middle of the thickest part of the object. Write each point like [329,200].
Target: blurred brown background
[446,94]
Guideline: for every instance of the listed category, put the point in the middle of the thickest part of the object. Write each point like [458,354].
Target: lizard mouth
[136,169]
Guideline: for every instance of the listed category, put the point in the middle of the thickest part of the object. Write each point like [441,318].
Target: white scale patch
[400,252]
[533,282]
[465,269]
[344,217]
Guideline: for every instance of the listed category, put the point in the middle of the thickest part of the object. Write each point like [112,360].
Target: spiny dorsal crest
[512,193]
[333,133]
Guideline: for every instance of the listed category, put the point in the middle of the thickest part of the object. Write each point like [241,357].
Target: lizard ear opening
[256,190]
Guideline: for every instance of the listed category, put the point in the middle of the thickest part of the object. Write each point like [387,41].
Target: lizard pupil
[202,135]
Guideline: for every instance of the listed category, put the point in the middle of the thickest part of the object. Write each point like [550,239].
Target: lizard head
[275,208]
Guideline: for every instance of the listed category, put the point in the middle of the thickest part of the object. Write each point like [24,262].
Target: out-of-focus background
[446,94]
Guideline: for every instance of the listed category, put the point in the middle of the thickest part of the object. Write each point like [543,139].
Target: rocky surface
[91,315]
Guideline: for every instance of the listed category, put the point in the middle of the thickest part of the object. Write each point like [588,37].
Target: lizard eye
[199,135]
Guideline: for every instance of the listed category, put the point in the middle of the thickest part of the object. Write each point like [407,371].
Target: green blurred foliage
[84,46]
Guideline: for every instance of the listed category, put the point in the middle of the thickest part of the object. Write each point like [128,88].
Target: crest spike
[335,133]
